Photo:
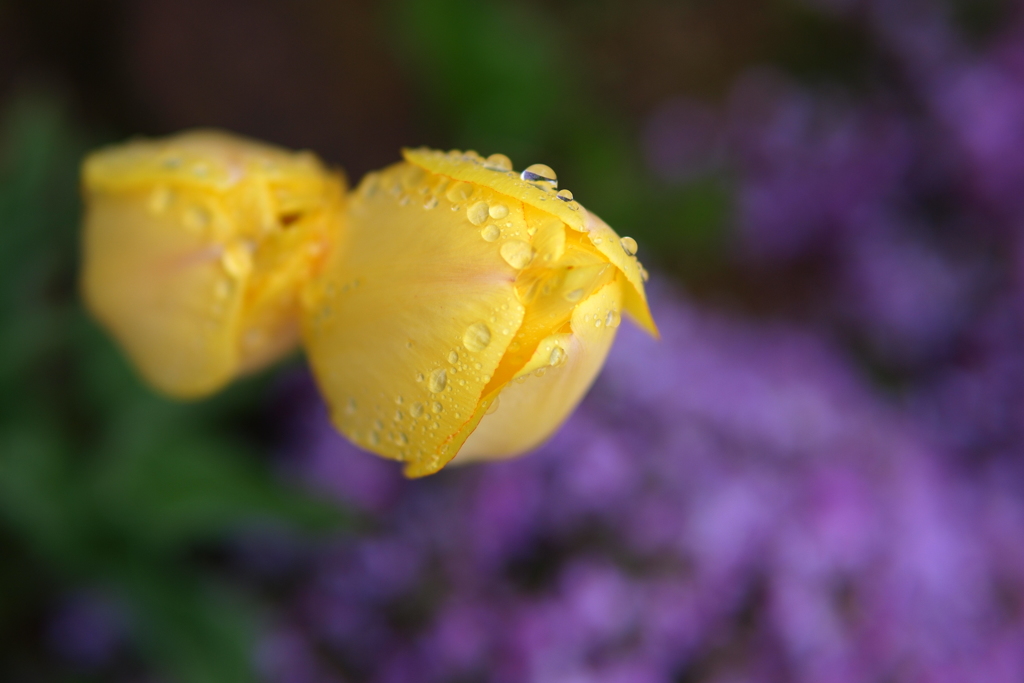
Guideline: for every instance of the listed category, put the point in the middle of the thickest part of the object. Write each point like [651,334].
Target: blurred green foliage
[505,77]
[103,484]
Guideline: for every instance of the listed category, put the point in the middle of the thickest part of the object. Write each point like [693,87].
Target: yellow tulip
[196,248]
[466,309]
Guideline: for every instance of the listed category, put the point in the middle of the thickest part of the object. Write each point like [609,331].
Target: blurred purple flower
[732,503]
[86,630]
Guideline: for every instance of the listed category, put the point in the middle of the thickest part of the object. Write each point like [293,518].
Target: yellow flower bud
[196,248]
[466,310]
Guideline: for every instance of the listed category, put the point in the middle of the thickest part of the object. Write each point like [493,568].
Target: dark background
[847,172]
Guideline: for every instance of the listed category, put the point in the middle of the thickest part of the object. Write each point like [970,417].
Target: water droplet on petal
[453,357]
[160,200]
[351,406]
[196,218]
[477,213]
[540,174]
[498,162]
[493,408]
[438,380]
[460,192]
[574,296]
[401,439]
[629,245]
[419,377]
[437,408]
[564,195]
[476,337]
[416,410]
[517,253]
[237,259]
[374,439]
[498,211]
[491,233]
[612,319]
[369,186]
[431,203]
[644,275]
[399,416]
[557,356]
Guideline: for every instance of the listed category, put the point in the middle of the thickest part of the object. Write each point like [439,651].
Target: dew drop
[222,289]
[419,376]
[477,213]
[401,439]
[351,406]
[431,203]
[628,245]
[416,410]
[557,356]
[399,400]
[491,233]
[597,322]
[476,337]
[437,408]
[160,200]
[644,275]
[574,296]
[493,408]
[378,425]
[498,162]
[564,195]
[540,174]
[438,380]
[399,416]
[369,186]
[612,319]
[196,218]
[517,253]
[374,439]
[498,211]
[237,260]
[460,192]
[453,357]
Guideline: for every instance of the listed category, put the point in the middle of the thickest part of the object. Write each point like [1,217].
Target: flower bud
[196,248]
[466,310]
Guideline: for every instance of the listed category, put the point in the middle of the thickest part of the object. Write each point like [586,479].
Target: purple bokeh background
[833,494]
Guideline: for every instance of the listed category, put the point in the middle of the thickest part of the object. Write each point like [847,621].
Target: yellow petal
[441,252]
[551,385]
[608,242]
[413,313]
[195,248]
[471,168]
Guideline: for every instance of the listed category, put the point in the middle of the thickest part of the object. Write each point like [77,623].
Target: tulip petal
[608,242]
[549,387]
[412,315]
[195,248]
[471,168]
